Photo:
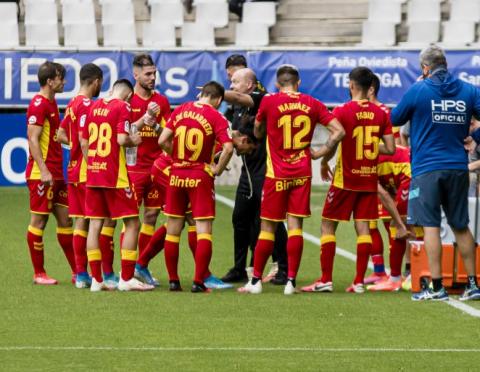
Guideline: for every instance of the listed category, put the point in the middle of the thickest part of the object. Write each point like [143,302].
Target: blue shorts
[430,191]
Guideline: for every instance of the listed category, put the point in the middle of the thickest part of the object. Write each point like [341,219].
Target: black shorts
[430,191]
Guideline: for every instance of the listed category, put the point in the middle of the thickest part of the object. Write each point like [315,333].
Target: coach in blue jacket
[439,108]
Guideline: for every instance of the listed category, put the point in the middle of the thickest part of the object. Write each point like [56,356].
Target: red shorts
[401,201]
[43,197]
[160,178]
[146,190]
[190,185]
[341,203]
[76,199]
[285,196]
[102,202]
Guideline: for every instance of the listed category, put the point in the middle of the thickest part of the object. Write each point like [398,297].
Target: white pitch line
[237,349]
[350,256]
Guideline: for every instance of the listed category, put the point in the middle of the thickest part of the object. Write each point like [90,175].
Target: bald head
[244,81]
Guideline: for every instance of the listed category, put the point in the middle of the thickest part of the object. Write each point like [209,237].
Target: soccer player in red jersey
[355,181]
[44,173]
[288,119]
[110,193]
[70,133]
[190,137]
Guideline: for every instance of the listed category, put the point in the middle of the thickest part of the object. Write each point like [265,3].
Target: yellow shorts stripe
[192,228]
[147,229]
[373,225]
[123,228]
[65,230]
[364,239]
[35,231]
[204,236]
[393,232]
[129,255]
[172,238]
[418,231]
[108,231]
[295,232]
[264,235]
[81,233]
[94,255]
[328,239]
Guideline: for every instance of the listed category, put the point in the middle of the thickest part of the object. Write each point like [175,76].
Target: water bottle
[131,152]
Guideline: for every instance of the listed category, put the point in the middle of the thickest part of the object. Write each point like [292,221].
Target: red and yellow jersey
[394,171]
[163,164]
[290,122]
[395,130]
[357,158]
[197,127]
[148,150]
[106,165]
[73,123]
[44,113]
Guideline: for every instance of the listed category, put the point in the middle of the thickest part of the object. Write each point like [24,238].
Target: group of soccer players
[128,149]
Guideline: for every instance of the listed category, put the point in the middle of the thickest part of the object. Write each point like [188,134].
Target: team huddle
[128,149]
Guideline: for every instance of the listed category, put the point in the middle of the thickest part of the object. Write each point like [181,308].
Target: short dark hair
[213,90]
[375,84]
[123,83]
[362,77]
[287,75]
[236,60]
[142,60]
[89,73]
[49,70]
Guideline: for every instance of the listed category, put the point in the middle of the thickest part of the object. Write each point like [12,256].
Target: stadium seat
[9,12]
[215,13]
[378,33]
[121,35]
[41,35]
[9,35]
[171,11]
[458,33]
[260,12]
[465,10]
[385,11]
[422,33]
[78,11]
[80,35]
[117,12]
[198,35]
[251,34]
[159,35]
[424,10]
[41,12]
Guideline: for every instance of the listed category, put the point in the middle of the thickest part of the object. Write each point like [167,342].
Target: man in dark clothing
[246,99]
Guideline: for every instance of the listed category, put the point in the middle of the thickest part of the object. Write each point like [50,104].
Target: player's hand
[315,154]
[149,120]
[326,173]
[136,139]
[46,177]
[153,109]
[469,144]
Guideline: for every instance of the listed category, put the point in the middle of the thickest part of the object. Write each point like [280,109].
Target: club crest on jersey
[32,119]
[37,102]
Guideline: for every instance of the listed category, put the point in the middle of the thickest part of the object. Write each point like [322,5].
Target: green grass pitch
[60,328]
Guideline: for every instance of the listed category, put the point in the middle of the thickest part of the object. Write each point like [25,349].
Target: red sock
[327,256]
[397,251]
[364,247]
[129,257]
[35,246]
[192,239]
[171,256]
[146,233]
[107,248]
[263,250]
[95,261]
[154,247]
[65,239]
[294,251]
[80,250]
[203,255]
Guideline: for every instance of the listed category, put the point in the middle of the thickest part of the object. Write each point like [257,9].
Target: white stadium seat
[465,10]
[9,12]
[198,35]
[41,35]
[159,35]
[114,13]
[251,35]
[378,33]
[213,13]
[9,35]
[40,13]
[78,11]
[423,33]
[170,12]
[80,35]
[385,11]
[120,35]
[424,10]
[260,12]
[458,33]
